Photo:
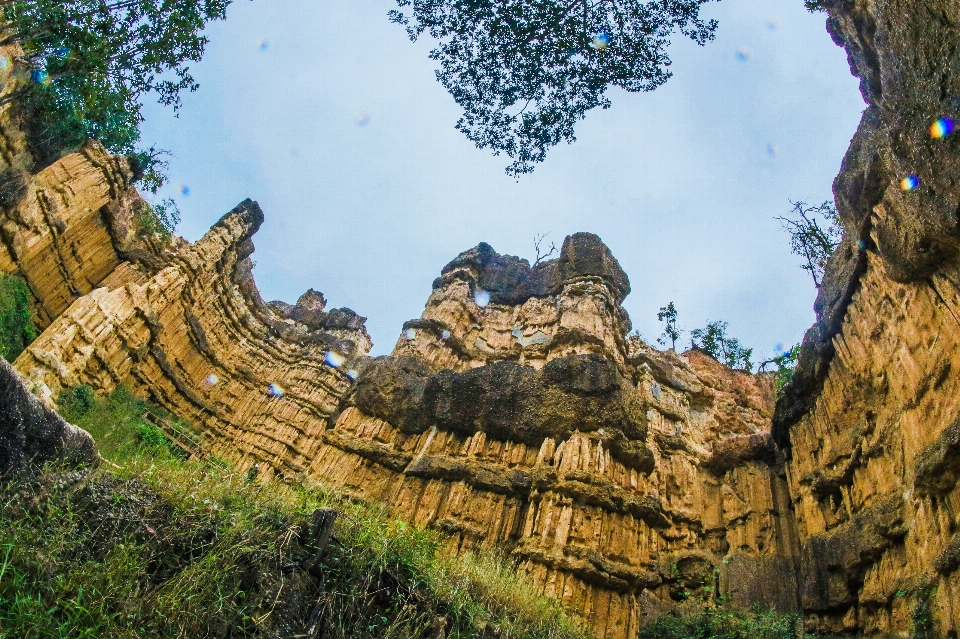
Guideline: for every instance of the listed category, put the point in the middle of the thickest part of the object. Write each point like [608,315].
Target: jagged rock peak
[512,280]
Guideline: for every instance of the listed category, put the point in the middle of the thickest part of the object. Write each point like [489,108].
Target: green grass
[162,547]
[727,623]
[16,317]
[116,422]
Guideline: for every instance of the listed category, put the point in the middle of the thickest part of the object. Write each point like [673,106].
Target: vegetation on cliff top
[162,547]
[88,64]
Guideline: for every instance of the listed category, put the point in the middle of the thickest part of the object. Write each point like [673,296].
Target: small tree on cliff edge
[815,232]
[668,315]
[713,340]
[88,63]
[526,71]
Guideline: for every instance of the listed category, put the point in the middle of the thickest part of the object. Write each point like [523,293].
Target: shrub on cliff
[727,623]
[16,317]
[87,65]
[714,341]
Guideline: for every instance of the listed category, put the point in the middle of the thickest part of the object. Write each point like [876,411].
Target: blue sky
[329,117]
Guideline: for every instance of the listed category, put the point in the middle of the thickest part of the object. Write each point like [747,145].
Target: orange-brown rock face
[196,338]
[514,414]
[68,230]
[875,463]
[869,421]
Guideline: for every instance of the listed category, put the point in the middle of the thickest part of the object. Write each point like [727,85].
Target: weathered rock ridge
[869,419]
[516,413]
[513,413]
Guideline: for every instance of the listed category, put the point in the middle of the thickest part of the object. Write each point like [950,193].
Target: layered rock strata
[257,380]
[514,414]
[869,422]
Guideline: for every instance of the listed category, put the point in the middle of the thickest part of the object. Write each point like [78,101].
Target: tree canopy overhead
[526,71]
[91,62]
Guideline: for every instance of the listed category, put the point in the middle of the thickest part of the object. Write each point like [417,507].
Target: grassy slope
[161,547]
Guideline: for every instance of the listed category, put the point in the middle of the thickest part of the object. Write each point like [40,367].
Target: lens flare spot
[362,120]
[39,76]
[263,45]
[910,183]
[410,334]
[6,62]
[942,128]
[334,359]
[212,379]
[275,390]
[773,24]
[184,189]
[743,53]
[773,150]
[481,297]
[353,375]
[600,40]
[445,335]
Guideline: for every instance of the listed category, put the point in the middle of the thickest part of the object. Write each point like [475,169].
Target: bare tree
[537,241]
[815,232]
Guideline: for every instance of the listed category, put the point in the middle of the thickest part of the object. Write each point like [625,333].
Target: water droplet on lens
[334,359]
[263,45]
[410,333]
[773,150]
[744,53]
[910,183]
[445,334]
[352,374]
[212,379]
[481,297]
[275,390]
[862,245]
[942,128]
[184,189]
[600,40]
[773,24]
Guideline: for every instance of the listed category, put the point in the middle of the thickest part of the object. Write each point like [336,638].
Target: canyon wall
[514,414]
[181,324]
[870,420]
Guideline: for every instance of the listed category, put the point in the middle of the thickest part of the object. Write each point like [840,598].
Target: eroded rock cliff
[868,422]
[514,413]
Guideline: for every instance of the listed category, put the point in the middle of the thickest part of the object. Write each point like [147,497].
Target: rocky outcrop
[197,338]
[514,413]
[32,434]
[869,420]
[69,227]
